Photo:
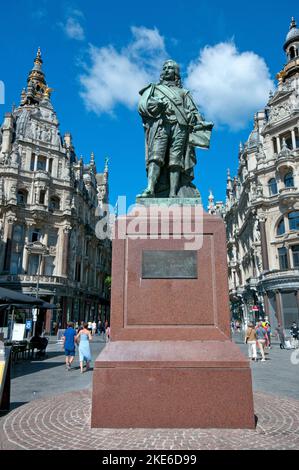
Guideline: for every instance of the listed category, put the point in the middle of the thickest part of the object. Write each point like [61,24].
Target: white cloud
[229,86]
[115,76]
[72,27]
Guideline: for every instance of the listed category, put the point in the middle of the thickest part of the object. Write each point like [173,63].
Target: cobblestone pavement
[57,414]
[62,422]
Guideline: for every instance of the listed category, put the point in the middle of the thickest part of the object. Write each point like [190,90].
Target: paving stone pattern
[63,422]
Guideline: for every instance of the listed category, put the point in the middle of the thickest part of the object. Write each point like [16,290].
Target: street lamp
[37,248]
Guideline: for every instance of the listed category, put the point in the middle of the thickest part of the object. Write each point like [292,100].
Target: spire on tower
[37,88]
[211,205]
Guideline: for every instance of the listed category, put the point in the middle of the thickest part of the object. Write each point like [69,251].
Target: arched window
[272,186]
[55,203]
[22,196]
[280,228]
[289,180]
[294,220]
[292,53]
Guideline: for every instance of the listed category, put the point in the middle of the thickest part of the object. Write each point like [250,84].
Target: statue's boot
[174,182]
[153,175]
[146,193]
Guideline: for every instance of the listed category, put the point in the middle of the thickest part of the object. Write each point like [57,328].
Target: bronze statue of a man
[173,127]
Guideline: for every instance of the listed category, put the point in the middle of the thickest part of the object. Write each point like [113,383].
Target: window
[42,195]
[283,258]
[35,235]
[294,220]
[18,233]
[49,265]
[55,203]
[32,162]
[78,272]
[280,227]
[52,238]
[16,263]
[22,197]
[295,251]
[33,265]
[292,53]
[289,180]
[272,186]
[41,163]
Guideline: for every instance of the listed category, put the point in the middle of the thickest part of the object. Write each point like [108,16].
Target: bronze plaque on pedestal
[169,264]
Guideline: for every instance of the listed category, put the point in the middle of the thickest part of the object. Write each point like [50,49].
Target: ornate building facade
[262,206]
[49,202]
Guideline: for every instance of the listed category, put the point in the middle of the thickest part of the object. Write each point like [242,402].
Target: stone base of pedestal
[172,384]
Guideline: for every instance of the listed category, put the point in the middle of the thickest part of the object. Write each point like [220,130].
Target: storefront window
[289,308]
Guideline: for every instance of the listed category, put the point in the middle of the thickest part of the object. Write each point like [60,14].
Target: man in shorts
[69,345]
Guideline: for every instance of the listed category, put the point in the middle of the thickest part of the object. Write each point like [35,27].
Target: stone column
[279,307]
[35,161]
[266,305]
[293,139]
[43,260]
[65,251]
[25,251]
[47,164]
[278,144]
[8,238]
[265,259]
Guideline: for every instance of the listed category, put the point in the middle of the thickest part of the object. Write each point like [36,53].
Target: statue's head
[171,71]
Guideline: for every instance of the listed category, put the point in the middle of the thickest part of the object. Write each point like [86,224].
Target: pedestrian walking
[83,338]
[99,327]
[268,335]
[261,334]
[94,328]
[281,336]
[69,345]
[108,333]
[250,340]
[295,335]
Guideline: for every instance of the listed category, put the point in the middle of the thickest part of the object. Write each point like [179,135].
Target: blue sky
[97,54]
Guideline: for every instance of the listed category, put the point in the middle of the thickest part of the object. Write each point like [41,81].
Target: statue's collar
[170,83]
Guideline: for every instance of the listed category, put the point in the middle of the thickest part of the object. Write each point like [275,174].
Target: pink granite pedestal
[171,362]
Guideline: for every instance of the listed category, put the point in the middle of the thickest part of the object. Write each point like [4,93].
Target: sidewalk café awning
[17,299]
[13,297]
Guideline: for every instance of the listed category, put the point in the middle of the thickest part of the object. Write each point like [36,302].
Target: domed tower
[291,48]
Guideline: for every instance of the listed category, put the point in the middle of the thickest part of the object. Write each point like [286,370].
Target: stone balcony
[276,279]
[288,195]
[42,175]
